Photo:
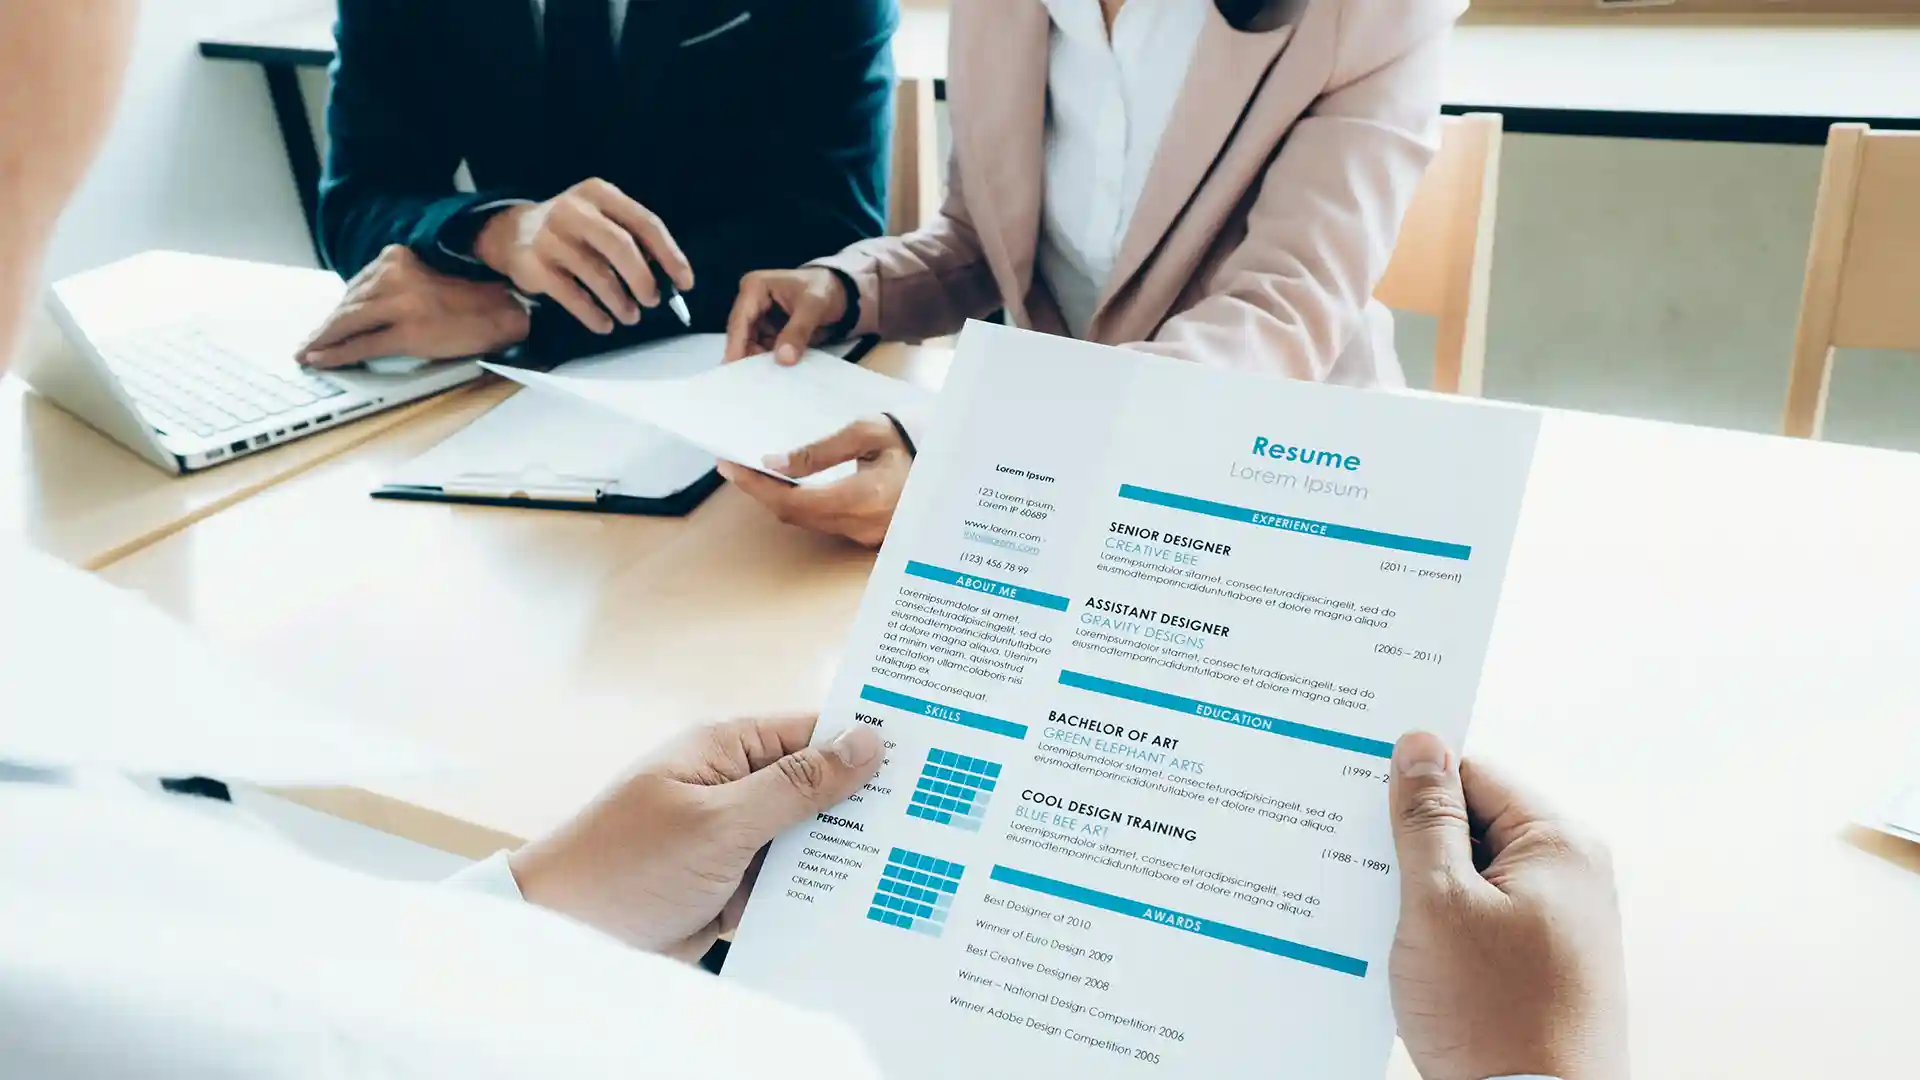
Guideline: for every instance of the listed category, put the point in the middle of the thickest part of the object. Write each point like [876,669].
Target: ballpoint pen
[670,295]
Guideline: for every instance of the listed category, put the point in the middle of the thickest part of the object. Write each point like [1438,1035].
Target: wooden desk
[718,614]
[80,496]
[1703,647]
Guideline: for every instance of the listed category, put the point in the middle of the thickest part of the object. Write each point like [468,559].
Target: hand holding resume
[1140,641]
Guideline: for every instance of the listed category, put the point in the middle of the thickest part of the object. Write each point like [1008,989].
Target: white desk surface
[1705,647]
[1796,69]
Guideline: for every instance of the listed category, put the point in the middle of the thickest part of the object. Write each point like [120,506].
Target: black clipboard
[505,478]
[678,504]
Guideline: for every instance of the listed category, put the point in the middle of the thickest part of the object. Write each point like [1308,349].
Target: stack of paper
[544,444]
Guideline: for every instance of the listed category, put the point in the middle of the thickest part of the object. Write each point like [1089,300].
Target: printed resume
[1139,643]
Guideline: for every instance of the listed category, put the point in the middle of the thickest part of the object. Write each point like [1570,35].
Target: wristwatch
[839,330]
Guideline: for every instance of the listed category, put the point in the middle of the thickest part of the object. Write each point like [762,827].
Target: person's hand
[585,249]
[1508,959]
[785,312]
[859,507]
[665,859]
[398,306]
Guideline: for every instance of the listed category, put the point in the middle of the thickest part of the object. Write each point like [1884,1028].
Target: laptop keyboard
[186,383]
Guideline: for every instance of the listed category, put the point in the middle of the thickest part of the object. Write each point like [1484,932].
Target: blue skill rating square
[953,789]
[915,892]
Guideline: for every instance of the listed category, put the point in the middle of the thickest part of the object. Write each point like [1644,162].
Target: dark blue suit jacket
[762,145]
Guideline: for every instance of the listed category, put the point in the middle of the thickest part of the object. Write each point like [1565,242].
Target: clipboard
[541,452]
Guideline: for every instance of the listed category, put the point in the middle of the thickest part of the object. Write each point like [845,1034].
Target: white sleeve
[491,876]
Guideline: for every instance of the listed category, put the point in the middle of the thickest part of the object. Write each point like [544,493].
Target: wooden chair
[915,187]
[1443,263]
[1863,266]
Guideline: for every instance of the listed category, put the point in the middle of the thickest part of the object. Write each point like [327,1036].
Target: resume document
[1139,643]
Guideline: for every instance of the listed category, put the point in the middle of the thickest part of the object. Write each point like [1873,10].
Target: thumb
[847,444]
[1430,830]
[806,782]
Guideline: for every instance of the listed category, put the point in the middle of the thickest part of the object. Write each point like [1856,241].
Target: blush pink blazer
[1269,212]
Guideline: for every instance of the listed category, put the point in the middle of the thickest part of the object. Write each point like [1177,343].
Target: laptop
[188,360]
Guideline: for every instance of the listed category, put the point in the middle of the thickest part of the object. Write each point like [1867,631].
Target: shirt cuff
[490,876]
[472,218]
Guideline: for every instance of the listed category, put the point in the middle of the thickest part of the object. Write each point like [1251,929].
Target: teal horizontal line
[1002,589]
[1252,721]
[1302,526]
[1192,924]
[951,715]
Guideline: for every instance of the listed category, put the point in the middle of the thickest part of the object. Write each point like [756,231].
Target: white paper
[94,677]
[1901,816]
[531,441]
[746,411]
[1139,641]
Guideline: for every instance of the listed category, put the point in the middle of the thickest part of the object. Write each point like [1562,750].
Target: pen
[670,295]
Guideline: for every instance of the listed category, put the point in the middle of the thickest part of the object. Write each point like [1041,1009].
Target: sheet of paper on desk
[1902,816]
[745,411]
[94,677]
[531,436]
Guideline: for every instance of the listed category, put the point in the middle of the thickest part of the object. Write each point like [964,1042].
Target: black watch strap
[912,451]
[839,330]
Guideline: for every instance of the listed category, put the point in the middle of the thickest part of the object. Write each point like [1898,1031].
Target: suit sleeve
[927,283]
[1323,226]
[827,144]
[391,157]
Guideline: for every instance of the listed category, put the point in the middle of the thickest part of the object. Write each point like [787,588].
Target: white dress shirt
[142,935]
[491,876]
[1108,102]
[619,16]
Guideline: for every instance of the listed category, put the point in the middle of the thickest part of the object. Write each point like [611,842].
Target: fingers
[804,783]
[1429,810]
[748,308]
[564,290]
[850,443]
[349,319]
[388,341]
[804,320]
[611,245]
[761,487]
[590,269]
[750,745]
[645,226]
[789,503]
[1501,808]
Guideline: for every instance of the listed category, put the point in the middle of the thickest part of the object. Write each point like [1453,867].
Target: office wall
[194,160]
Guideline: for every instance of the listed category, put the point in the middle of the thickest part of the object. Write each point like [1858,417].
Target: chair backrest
[1862,288]
[914,192]
[1443,262]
